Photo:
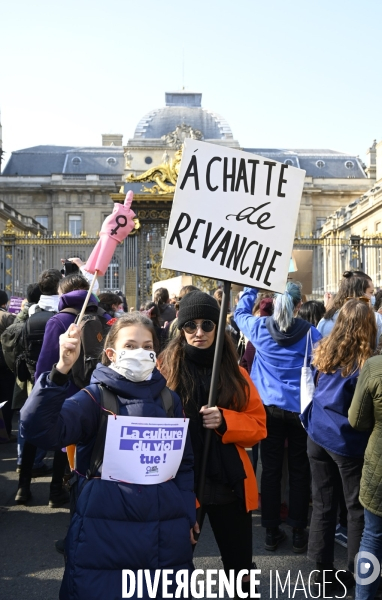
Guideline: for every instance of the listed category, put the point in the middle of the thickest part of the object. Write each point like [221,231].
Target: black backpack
[93,331]
[32,337]
[10,344]
[6,320]
[109,402]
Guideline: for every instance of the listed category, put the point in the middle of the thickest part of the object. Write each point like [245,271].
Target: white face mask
[372,300]
[118,313]
[136,365]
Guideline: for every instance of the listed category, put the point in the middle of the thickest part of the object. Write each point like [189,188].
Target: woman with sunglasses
[238,422]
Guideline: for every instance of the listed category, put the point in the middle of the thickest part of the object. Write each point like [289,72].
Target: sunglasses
[206,326]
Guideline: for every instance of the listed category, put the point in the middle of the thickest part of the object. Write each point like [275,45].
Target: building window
[349,164]
[320,221]
[288,162]
[43,220]
[111,161]
[320,164]
[112,277]
[75,225]
[76,160]
[148,160]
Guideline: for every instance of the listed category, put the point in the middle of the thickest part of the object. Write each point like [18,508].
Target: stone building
[352,235]
[69,189]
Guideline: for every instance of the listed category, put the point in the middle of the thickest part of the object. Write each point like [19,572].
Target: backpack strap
[100,312]
[109,402]
[72,311]
[167,402]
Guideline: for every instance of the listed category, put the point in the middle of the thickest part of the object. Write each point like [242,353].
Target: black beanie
[3,297]
[197,305]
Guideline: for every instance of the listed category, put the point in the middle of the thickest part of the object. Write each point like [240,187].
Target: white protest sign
[233,216]
[143,450]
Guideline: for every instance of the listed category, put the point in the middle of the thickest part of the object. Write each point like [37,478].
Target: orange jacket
[245,429]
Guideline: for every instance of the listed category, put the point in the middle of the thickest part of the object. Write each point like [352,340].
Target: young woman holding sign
[238,422]
[116,525]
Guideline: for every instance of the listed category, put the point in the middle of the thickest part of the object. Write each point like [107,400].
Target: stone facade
[356,230]
[61,185]
[71,189]
[58,200]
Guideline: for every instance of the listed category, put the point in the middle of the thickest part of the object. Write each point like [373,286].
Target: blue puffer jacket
[326,418]
[115,525]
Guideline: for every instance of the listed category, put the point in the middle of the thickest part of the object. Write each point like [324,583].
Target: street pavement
[31,568]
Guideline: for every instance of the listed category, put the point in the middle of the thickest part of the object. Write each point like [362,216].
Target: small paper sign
[15,304]
[143,450]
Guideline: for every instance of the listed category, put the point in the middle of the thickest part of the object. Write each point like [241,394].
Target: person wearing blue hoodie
[280,342]
[116,525]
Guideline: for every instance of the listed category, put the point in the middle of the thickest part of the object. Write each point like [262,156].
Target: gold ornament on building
[164,176]
[157,273]
[9,228]
[205,284]
[154,214]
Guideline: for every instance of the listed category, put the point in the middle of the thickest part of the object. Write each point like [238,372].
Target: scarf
[224,464]
[203,357]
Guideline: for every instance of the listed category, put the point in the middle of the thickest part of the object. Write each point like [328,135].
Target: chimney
[112,139]
[371,160]
[379,162]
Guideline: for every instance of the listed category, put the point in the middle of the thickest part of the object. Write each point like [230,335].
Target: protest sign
[233,216]
[143,450]
[15,304]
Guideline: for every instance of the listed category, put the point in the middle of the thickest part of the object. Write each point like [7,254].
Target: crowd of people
[64,377]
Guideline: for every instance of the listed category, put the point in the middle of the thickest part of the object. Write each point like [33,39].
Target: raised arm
[243,314]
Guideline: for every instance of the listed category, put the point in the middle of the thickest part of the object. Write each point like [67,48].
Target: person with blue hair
[281,341]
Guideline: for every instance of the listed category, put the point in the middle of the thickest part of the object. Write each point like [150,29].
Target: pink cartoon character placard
[115,228]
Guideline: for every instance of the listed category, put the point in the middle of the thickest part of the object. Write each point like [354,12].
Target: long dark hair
[233,388]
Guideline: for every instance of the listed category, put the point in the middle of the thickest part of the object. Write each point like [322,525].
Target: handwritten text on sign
[234,216]
[143,450]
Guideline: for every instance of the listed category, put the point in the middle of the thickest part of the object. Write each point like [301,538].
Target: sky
[297,74]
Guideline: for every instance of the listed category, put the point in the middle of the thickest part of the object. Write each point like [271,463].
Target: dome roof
[183,108]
